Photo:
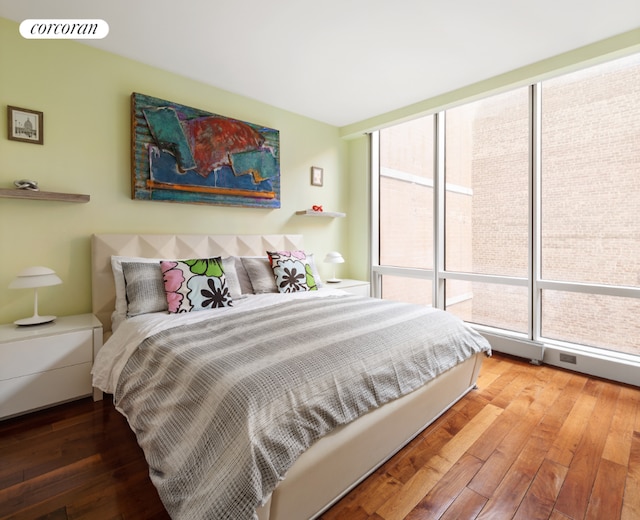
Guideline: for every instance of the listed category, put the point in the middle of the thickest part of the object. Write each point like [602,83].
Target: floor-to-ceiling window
[520,212]
[486,156]
[590,205]
[406,210]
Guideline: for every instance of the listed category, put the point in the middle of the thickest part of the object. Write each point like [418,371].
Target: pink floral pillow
[195,285]
[293,271]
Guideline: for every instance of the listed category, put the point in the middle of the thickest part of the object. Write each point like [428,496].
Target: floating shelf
[43,195]
[326,214]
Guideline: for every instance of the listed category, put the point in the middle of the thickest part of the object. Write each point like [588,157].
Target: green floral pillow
[293,271]
[195,285]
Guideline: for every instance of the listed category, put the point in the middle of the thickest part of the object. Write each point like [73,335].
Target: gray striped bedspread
[223,408]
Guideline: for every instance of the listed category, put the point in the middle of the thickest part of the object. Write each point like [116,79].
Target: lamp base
[333,280]
[34,320]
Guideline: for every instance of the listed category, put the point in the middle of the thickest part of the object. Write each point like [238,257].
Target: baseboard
[622,368]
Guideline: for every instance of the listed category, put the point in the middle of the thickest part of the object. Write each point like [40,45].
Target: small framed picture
[316,176]
[25,125]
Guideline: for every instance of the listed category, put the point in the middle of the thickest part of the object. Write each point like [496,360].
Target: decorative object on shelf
[317,208]
[25,125]
[312,213]
[317,176]
[26,184]
[334,258]
[32,278]
[184,154]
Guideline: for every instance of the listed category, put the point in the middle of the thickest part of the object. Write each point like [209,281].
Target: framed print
[25,125]
[316,176]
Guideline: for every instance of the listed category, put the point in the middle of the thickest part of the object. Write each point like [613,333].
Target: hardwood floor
[531,443]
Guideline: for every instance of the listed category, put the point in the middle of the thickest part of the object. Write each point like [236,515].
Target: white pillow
[232,279]
[314,270]
[243,277]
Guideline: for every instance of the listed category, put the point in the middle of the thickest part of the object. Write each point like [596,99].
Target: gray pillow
[260,274]
[144,288]
[243,276]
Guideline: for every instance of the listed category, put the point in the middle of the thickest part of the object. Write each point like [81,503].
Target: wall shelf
[326,214]
[43,195]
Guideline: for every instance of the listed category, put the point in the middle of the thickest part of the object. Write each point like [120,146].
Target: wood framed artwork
[25,125]
[184,154]
[317,176]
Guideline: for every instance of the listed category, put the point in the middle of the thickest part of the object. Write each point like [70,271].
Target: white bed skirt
[341,460]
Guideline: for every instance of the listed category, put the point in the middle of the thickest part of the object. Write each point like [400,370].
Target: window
[487,208]
[591,175]
[526,218]
[406,194]
[590,203]
[487,185]
[406,207]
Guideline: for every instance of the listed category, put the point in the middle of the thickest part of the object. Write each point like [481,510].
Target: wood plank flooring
[530,443]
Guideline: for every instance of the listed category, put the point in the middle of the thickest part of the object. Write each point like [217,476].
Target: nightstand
[357,287]
[43,365]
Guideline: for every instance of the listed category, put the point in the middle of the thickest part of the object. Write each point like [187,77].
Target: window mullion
[535,245]
[374,143]
[438,208]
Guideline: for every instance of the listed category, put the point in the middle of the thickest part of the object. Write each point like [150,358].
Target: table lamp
[334,258]
[32,278]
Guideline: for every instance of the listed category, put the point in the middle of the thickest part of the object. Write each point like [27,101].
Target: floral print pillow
[293,271]
[195,285]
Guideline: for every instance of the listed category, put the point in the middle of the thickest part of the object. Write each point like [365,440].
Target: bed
[327,449]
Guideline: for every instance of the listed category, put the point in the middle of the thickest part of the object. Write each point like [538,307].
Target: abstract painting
[183,154]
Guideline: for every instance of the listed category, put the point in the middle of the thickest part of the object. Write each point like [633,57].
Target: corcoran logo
[64,29]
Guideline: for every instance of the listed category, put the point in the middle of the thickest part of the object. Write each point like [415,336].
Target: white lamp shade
[32,278]
[334,258]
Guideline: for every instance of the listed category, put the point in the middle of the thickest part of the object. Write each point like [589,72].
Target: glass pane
[608,322]
[591,175]
[487,183]
[494,305]
[406,194]
[403,289]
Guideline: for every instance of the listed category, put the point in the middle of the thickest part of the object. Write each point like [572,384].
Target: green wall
[84,94]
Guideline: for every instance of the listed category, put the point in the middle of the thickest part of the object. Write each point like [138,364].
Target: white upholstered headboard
[103,246]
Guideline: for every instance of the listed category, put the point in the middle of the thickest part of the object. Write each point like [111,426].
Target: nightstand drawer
[41,354]
[34,391]
[358,290]
[357,287]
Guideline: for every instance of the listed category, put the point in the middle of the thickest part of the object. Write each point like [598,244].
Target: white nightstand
[357,287]
[43,365]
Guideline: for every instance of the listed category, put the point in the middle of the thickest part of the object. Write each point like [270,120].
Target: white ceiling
[341,61]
